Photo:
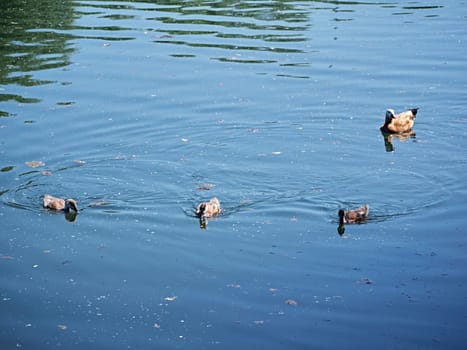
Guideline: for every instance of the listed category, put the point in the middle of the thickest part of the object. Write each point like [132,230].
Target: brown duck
[58,204]
[209,209]
[354,216]
[399,123]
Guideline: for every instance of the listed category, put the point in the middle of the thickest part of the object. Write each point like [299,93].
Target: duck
[209,209]
[58,204]
[399,123]
[353,216]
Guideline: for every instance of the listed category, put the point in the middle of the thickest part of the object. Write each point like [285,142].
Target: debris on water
[97,203]
[205,187]
[35,266]
[365,281]
[171,298]
[156,326]
[62,327]
[291,302]
[35,163]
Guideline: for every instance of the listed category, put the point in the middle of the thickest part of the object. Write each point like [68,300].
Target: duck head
[70,204]
[201,209]
[390,114]
[341,214]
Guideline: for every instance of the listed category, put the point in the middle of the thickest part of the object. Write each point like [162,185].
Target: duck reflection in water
[68,206]
[352,216]
[388,139]
[207,210]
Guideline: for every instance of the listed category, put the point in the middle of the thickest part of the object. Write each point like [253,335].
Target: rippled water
[141,110]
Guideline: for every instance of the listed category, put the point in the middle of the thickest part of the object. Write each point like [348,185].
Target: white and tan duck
[206,210]
[399,123]
[59,204]
[209,209]
[352,216]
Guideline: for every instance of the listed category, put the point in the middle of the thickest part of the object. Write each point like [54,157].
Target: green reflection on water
[29,42]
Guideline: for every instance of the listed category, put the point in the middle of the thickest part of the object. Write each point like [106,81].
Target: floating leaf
[205,187]
[35,163]
[97,203]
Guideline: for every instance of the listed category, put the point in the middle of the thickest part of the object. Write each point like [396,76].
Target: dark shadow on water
[389,138]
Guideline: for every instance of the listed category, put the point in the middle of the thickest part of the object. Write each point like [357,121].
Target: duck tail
[414,111]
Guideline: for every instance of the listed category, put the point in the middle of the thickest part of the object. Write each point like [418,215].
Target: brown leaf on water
[205,187]
[35,163]
[97,203]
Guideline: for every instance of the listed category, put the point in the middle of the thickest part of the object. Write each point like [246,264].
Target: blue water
[140,111]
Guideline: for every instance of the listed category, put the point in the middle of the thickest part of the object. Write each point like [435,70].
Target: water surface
[140,111]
